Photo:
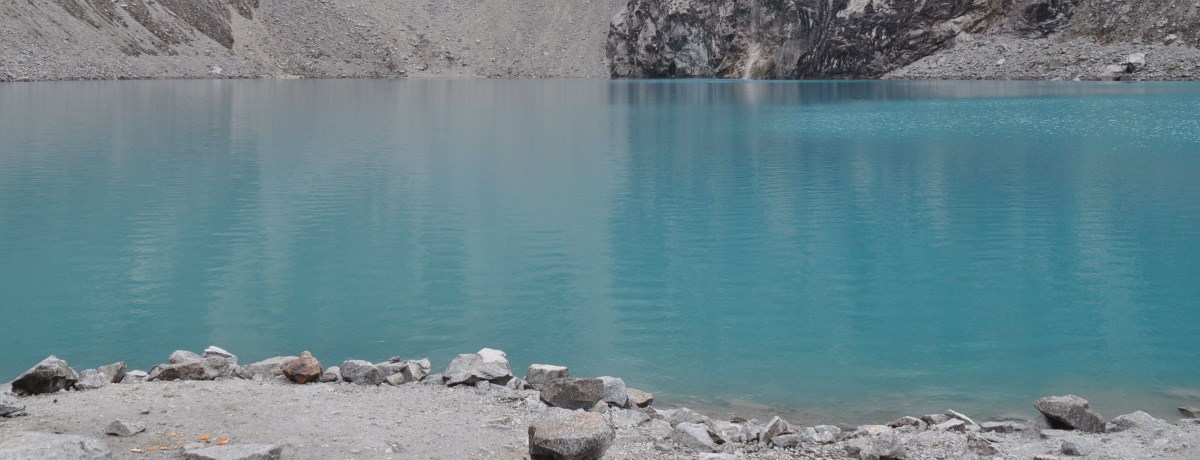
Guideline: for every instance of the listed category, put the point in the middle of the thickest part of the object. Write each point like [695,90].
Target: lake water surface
[841,251]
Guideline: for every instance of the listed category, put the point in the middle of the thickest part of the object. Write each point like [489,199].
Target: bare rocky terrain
[210,407]
[133,39]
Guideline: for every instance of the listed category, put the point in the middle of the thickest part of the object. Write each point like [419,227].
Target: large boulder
[698,437]
[114,372]
[10,405]
[1136,420]
[539,374]
[416,370]
[579,436]
[490,365]
[304,369]
[573,393]
[209,368]
[1070,412]
[236,452]
[361,372]
[615,393]
[270,367]
[90,379]
[48,376]
[27,445]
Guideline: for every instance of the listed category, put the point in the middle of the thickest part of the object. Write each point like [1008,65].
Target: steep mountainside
[71,39]
[1040,39]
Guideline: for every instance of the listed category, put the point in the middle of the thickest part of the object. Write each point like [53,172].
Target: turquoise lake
[832,251]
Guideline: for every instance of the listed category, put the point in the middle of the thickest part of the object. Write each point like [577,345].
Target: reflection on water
[842,250]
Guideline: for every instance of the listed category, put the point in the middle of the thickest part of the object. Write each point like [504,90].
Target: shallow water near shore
[837,251]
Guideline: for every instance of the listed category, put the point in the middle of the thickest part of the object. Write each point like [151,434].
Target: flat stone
[614,392]
[697,436]
[27,445]
[304,369]
[1190,412]
[957,416]
[1070,412]
[416,370]
[270,367]
[659,429]
[90,379]
[573,393]
[908,421]
[1077,447]
[1136,420]
[579,436]
[10,405]
[788,441]
[951,425]
[639,398]
[539,374]
[114,372]
[863,431]
[488,364]
[48,376]
[361,372]
[1002,427]
[209,368]
[775,427]
[236,452]
[135,376]
[182,356]
[629,418]
[218,351]
[124,428]
[981,446]
[332,375]
[685,415]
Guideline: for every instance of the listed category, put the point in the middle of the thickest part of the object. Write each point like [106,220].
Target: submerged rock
[31,445]
[539,374]
[1070,412]
[124,428]
[639,398]
[488,364]
[573,393]
[48,376]
[579,436]
[304,369]
[236,452]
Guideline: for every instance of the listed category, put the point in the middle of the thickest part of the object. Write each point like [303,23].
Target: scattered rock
[685,415]
[396,379]
[1078,447]
[48,376]
[980,445]
[90,379]
[572,393]
[517,383]
[219,352]
[304,369]
[361,372]
[1135,61]
[951,425]
[579,436]
[908,421]
[114,372]
[539,374]
[639,398]
[332,375]
[135,376]
[1190,412]
[416,370]
[614,392]
[487,364]
[881,446]
[209,368]
[270,367]
[623,418]
[124,429]
[934,419]
[955,415]
[821,434]
[774,428]
[697,436]
[31,445]
[1002,427]
[182,356]
[434,379]
[1052,433]
[1070,412]
[1137,419]
[236,452]
[866,431]
[10,405]
[388,368]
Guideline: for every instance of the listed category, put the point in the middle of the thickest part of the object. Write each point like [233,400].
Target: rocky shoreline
[209,406]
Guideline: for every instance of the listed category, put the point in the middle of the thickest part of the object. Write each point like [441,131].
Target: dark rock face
[209,17]
[787,38]
[48,376]
[1042,18]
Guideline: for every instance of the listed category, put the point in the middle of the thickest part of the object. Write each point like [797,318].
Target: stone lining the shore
[582,418]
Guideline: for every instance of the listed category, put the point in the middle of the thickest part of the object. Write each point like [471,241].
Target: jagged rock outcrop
[789,39]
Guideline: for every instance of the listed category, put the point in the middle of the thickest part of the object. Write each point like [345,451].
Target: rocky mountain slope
[985,39]
[112,39]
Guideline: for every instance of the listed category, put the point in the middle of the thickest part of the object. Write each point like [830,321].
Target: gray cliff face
[861,38]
